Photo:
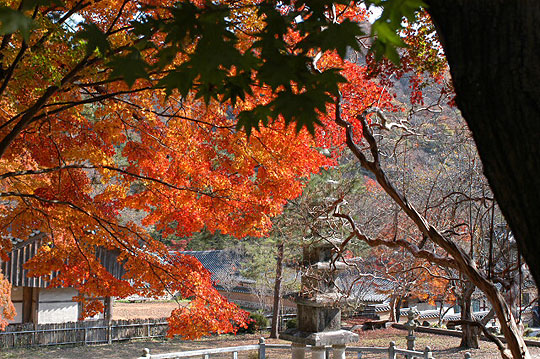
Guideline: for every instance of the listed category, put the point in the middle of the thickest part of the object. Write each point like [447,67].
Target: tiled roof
[365,286]
[216,260]
[225,266]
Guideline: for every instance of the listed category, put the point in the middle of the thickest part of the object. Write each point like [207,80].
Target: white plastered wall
[56,305]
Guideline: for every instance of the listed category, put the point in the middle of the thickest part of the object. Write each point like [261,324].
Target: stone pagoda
[319,304]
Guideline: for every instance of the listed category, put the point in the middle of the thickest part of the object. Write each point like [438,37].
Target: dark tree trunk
[277,291]
[469,333]
[493,47]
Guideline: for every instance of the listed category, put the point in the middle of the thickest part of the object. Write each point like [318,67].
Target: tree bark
[469,333]
[398,308]
[277,291]
[493,47]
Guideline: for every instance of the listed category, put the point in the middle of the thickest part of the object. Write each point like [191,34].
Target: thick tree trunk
[493,47]
[277,291]
[398,308]
[469,333]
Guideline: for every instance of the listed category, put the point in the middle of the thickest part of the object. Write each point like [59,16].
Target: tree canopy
[118,119]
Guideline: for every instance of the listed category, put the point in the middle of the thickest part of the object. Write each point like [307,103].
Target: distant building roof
[363,284]
[225,267]
[217,260]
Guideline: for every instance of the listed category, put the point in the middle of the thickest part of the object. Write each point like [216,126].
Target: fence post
[392,351]
[427,353]
[85,335]
[298,351]
[235,355]
[206,356]
[318,352]
[262,348]
[109,333]
[339,351]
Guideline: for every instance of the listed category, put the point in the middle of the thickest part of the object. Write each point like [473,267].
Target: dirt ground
[443,347]
[157,309]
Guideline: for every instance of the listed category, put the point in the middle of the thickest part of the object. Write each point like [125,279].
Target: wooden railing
[392,351]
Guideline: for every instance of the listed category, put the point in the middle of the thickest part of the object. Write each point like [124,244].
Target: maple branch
[104,224]
[428,270]
[386,124]
[466,197]
[111,168]
[27,116]
[431,190]
[9,72]
[80,250]
[6,75]
[69,104]
[108,32]
[174,115]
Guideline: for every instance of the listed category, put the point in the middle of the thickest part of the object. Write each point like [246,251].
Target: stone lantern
[319,305]
[411,325]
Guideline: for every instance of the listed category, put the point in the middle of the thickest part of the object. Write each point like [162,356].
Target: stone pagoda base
[319,305]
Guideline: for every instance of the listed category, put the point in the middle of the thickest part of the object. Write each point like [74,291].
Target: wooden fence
[88,332]
[390,352]
[85,332]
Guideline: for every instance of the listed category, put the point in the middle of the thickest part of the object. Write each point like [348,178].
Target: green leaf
[184,23]
[129,68]
[95,39]
[335,36]
[181,78]
[237,87]
[300,108]
[249,120]
[12,21]
[386,34]
[387,28]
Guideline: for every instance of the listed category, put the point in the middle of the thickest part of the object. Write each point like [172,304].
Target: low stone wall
[457,333]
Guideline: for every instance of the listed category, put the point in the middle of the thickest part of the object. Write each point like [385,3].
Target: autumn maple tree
[101,140]
[117,117]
